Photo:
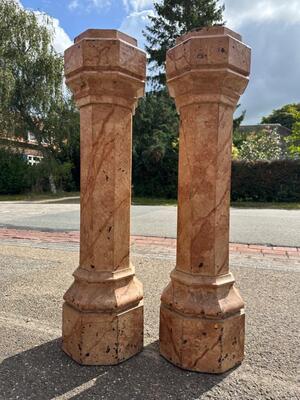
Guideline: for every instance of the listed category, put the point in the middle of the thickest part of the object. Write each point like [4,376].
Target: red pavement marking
[73,237]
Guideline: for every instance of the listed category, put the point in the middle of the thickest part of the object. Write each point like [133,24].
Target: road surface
[255,226]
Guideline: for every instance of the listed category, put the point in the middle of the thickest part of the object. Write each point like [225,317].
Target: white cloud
[240,12]
[100,3]
[61,40]
[137,18]
[135,23]
[137,5]
[73,5]
[272,29]
[88,5]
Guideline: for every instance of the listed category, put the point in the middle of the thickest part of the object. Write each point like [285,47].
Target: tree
[238,120]
[155,146]
[293,141]
[287,116]
[69,142]
[32,95]
[155,129]
[35,71]
[173,18]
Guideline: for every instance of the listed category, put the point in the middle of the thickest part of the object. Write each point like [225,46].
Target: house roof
[282,130]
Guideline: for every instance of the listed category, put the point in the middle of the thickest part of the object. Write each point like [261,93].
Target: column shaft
[204,189]
[106,187]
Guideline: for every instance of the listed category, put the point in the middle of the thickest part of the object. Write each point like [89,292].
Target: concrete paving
[255,226]
[33,367]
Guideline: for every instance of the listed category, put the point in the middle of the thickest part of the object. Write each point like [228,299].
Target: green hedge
[260,181]
[266,181]
[14,173]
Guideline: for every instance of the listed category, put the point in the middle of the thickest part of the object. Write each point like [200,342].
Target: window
[31,137]
[33,160]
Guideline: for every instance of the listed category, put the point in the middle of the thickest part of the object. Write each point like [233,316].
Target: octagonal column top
[105,66]
[209,64]
[209,31]
[105,34]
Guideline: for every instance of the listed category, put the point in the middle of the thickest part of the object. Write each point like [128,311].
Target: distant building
[29,147]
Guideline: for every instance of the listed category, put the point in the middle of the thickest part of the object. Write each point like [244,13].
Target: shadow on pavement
[45,372]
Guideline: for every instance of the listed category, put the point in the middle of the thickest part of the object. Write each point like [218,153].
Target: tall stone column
[103,309]
[202,318]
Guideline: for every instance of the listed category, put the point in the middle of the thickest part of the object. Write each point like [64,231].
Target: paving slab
[33,281]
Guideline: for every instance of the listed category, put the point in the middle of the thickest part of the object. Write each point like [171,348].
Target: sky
[270,27]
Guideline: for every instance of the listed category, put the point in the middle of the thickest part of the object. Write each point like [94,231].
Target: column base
[102,338]
[202,344]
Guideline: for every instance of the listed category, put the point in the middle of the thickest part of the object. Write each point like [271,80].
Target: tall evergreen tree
[155,146]
[155,139]
[173,18]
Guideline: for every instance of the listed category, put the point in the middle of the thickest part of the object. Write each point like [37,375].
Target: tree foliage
[156,123]
[32,94]
[238,120]
[33,91]
[172,19]
[155,146]
[287,116]
[14,173]
[293,141]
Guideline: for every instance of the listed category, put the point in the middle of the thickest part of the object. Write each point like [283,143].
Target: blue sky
[82,15]
[270,27]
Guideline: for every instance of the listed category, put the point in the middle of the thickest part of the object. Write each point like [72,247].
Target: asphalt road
[33,367]
[255,226]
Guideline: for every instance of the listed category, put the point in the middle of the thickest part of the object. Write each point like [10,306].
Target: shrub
[258,181]
[261,145]
[60,174]
[14,173]
[266,181]
[63,177]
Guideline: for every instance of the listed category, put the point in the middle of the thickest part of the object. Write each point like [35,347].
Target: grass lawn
[242,204]
[271,205]
[149,201]
[37,196]
[142,201]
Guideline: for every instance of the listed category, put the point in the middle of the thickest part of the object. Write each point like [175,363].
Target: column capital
[105,66]
[208,65]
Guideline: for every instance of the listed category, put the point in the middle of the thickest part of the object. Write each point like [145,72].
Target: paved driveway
[33,367]
[255,226]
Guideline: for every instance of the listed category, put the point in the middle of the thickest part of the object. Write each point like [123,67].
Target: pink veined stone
[103,309]
[202,321]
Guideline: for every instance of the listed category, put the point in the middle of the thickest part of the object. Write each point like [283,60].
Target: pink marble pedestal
[103,309]
[202,319]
